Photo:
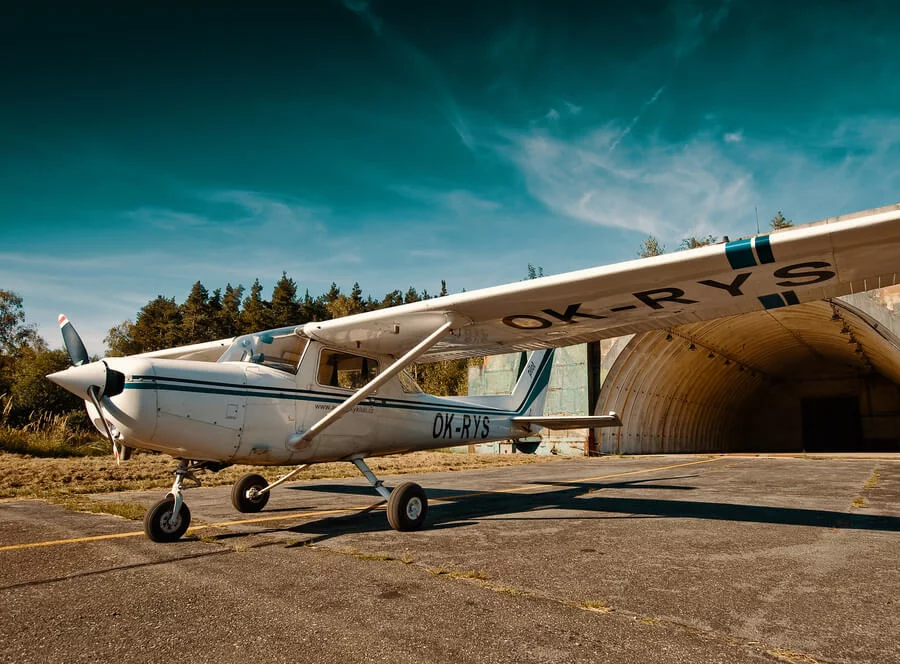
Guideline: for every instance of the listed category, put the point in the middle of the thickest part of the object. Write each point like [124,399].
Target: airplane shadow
[461,508]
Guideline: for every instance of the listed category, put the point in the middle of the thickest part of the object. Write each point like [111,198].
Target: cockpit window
[280,349]
[337,369]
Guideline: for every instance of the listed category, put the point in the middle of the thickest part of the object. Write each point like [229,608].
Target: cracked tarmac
[639,559]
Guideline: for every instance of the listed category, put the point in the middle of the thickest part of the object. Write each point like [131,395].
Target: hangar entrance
[821,376]
[831,424]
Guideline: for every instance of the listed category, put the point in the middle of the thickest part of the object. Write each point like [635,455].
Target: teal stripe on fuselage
[148,382]
[226,389]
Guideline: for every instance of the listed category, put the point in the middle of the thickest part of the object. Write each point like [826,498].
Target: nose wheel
[169,519]
[163,524]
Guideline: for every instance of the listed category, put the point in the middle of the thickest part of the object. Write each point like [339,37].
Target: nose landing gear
[170,518]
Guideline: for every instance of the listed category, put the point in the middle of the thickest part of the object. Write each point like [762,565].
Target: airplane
[339,390]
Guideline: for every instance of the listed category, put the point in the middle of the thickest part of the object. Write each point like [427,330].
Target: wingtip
[62,320]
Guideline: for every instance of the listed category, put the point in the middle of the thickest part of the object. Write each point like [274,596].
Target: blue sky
[401,143]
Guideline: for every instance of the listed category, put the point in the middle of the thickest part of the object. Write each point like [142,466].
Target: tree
[229,315]
[314,308]
[693,242]
[286,310]
[445,378]
[16,337]
[197,319]
[412,295]
[392,299]
[651,247]
[32,392]
[256,314]
[443,288]
[778,221]
[535,272]
[120,340]
[158,325]
[14,332]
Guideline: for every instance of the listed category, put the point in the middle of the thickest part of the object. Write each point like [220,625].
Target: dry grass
[124,509]
[47,435]
[792,656]
[872,482]
[597,606]
[23,476]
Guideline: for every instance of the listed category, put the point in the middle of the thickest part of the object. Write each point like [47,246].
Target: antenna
[756,209]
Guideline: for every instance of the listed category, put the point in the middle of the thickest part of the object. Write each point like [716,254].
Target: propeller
[75,347]
[92,380]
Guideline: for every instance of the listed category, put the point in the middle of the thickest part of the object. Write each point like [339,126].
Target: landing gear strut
[407,505]
[169,519]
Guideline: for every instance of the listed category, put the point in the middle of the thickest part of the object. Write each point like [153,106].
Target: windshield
[279,349]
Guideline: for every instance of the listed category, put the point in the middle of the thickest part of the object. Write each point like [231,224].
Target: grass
[791,656]
[47,435]
[872,482]
[26,476]
[124,509]
[597,606]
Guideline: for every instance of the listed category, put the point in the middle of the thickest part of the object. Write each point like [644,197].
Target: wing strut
[299,439]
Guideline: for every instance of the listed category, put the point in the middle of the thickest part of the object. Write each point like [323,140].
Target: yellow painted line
[304,515]
[220,524]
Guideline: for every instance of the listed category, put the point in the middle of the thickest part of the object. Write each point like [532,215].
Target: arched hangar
[822,376]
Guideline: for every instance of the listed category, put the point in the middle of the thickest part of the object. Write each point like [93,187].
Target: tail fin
[530,391]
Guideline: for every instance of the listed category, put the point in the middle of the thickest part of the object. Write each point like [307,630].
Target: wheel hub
[414,508]
[170,522]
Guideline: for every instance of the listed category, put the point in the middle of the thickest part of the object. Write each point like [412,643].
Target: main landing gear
[407,505]
[169,519]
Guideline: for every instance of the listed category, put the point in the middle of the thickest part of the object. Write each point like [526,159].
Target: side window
[337,369]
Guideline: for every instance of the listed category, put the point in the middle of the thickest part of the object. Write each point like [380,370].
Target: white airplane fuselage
[252,413]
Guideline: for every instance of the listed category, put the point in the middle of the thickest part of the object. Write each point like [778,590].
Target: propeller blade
[93,394]
[77,352]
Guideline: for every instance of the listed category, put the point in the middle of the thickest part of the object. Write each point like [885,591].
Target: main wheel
[407,507]
[239,498]
[162,525]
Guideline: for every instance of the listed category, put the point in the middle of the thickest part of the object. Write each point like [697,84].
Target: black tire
[239,494]
[407,507]
[160,525]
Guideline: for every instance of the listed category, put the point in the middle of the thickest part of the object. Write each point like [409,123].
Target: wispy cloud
[422,65]
[459,201]
[701,186]
[647,104]
[733,137]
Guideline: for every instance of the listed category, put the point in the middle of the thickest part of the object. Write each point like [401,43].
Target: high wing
[820,260]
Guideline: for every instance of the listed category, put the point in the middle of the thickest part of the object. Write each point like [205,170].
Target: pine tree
[158,325]
[257,313]
[778,221]
[229,316]
[392,299]
[286,310]
[412,295]
[197,320]
[356,302]
[443,288]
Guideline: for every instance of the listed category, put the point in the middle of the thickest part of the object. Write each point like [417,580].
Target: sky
[400,143]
